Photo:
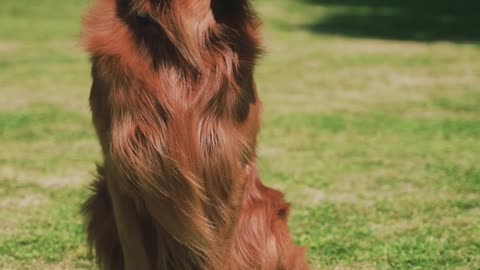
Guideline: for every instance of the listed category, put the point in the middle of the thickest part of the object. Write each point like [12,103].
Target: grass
[371,126]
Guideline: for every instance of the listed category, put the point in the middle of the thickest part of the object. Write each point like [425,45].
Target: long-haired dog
[176,112]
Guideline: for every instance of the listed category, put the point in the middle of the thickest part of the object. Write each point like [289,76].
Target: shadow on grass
[417,20]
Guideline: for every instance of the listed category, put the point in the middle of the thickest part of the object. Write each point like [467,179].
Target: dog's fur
[176,111]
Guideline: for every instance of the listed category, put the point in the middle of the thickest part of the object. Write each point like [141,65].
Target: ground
[371,126]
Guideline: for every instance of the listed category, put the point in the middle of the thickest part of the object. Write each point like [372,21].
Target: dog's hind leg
[129,228]
[101,227]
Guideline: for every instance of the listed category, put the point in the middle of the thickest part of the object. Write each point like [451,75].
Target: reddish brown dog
[176,111]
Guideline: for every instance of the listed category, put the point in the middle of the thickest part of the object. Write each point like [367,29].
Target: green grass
[371,125]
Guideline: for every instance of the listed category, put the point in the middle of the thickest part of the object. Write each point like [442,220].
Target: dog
[176,111]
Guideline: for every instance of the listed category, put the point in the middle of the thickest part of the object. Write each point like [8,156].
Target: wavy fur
[176,112]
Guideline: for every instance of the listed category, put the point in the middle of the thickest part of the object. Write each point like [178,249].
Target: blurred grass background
[371,125]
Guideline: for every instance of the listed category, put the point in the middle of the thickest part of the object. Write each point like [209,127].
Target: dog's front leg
[129,230]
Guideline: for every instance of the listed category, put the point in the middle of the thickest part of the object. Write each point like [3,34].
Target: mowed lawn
[371,126]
